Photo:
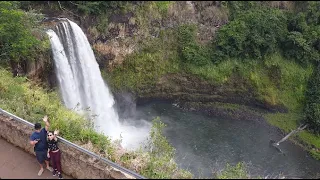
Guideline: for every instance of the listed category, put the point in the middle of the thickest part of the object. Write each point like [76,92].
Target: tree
[312,108]
[252,34]
[16,39]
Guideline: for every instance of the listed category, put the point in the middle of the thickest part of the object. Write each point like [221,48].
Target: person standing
[38,139]
[54,153]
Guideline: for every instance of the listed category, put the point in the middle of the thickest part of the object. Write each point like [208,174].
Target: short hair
[37,126]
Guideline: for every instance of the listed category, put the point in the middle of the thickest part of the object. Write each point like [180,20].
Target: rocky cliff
[116,35]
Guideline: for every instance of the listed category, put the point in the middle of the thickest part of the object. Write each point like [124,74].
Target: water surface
[205,144]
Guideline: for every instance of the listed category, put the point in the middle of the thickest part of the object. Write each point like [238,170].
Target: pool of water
[205,144]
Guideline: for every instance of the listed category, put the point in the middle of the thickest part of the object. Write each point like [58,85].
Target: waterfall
[82,87]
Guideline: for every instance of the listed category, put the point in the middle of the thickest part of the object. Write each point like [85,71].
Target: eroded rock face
[185,88]
[125,32]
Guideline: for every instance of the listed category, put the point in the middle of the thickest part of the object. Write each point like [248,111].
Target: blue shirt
[42,144]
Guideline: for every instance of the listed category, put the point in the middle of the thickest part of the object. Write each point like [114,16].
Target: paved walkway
[18,164]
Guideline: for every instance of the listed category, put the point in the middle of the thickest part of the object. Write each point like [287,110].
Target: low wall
[74,162]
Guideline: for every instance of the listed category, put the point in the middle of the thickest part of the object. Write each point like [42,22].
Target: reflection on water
[204,144]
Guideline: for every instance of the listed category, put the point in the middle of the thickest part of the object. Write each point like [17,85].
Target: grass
[239,171]
[290,121]
[163,6]
[30,102]
[277,81]
[285,121]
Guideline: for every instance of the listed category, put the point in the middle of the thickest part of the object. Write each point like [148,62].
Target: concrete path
[18,164]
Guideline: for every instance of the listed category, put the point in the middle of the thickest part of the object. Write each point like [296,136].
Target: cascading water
[82,86]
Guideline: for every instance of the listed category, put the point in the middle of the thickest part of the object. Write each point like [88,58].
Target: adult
[54,153]
[38,139]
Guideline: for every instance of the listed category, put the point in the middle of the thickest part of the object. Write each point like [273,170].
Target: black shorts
[42,156]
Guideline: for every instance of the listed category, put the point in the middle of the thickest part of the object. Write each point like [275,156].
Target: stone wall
[74,163]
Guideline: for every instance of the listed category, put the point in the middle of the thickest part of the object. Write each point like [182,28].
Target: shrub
[252,34]
[303,42]
[161,153]
[17,41]
[189,50]
[312,109]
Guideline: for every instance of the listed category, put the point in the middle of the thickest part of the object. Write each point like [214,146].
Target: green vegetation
[239,171]
[312,109]
[274,50]
[189,50]
[157,57]
[303,41]
[162,164]
[290,121]
[20,38]
[163,6]
[30,102]
[252,34]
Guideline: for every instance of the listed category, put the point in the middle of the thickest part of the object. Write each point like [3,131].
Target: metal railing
[112,164]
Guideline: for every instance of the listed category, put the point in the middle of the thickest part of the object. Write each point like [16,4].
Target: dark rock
[121,18]
[132,28]
[187,88]
[103,60]
[114,32]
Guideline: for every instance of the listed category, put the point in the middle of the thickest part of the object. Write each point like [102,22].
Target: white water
[82,86]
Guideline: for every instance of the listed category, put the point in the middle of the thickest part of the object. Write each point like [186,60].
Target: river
[205,144]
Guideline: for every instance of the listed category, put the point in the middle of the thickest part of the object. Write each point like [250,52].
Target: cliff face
[125,32]
[115,36]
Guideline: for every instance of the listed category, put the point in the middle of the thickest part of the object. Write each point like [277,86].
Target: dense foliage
[312,109]
[303,40]
[190,51]
[252,34]
[18,32]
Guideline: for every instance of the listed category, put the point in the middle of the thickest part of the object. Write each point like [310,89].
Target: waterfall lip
[53,19]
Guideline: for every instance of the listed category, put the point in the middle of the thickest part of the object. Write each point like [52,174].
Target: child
[54,153]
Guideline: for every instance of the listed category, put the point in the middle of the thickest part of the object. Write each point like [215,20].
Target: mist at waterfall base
[83,89]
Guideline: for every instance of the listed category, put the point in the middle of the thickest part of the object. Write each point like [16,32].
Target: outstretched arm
[45,119]
[55,135]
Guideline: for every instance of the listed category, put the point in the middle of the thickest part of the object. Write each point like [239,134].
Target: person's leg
[58,163]
[40,160]
[54,165]
[46,160]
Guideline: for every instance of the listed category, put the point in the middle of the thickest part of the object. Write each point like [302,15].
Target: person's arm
[55,135]
[48,154]
[47,124]
[33,141]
